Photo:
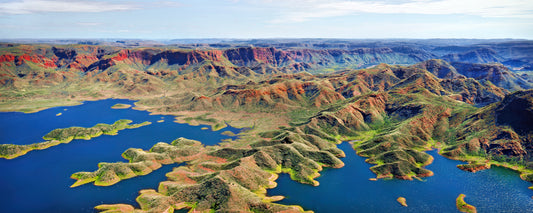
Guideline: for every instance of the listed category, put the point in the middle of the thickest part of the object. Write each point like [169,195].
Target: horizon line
[265,38]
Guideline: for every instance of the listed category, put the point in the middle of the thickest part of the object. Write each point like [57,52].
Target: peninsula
[462,206]
[66,135]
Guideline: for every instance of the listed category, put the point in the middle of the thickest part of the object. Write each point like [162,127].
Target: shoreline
[487,164]
[12,151]
[270,199]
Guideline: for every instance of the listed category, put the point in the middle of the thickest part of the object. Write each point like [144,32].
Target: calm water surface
[39,181]
[348,189]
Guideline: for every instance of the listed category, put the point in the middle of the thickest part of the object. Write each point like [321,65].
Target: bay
[39,181]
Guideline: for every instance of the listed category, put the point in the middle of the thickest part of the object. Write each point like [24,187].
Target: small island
[66,135]
[121,106]
[462,206]
[228,133]
[402,201]
[474,167]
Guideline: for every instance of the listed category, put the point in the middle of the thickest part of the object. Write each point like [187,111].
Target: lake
[349,189]
[39,181]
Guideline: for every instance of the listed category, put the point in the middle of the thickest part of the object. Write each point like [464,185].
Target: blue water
[348,189]
[39,181]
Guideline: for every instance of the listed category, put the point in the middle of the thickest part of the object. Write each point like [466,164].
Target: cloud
[303,10]
[40,6]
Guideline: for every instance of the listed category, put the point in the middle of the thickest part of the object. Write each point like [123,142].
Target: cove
[348,189]
[39,181]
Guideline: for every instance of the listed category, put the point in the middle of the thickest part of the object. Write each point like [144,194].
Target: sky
[179,19]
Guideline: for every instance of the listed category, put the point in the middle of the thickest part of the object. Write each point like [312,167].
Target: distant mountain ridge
[42,63]
[513,53]
[479,56]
